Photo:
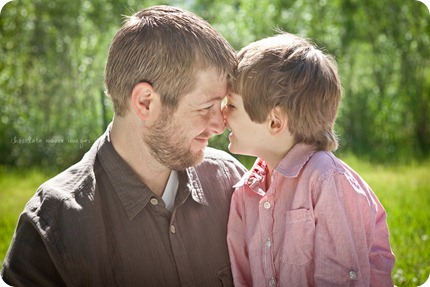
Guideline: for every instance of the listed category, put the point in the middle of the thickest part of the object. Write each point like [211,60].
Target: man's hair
[290,72]
[164,46]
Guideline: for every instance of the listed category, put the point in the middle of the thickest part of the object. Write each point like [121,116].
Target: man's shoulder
[71,189]
[220,162]
[77,179]
[216,154]
[71,181]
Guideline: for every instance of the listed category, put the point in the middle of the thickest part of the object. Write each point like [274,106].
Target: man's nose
[224,112]
[217,121]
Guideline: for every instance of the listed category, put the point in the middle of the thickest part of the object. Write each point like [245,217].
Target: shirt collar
[132,192]
[295,160]
[255,177]
[195,186]
[289,166]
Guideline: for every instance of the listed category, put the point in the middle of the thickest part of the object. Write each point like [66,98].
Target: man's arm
[28,262]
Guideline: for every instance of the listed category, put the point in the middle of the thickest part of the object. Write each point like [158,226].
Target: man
[148,204]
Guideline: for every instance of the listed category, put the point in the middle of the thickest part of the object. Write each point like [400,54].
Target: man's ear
[278,121]
[144,100]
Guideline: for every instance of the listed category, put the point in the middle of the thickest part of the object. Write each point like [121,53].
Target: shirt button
[268,243]
[352,275]
[266,205]
[154,201]
[272,282]
[172,228]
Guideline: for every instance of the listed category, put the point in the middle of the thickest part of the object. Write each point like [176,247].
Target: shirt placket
[180,254]
[266,210]
[177,243]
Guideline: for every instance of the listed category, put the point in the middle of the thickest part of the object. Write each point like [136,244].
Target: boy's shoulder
[325,162]
[326,165]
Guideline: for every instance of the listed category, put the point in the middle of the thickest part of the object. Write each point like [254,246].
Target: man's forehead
[210,86]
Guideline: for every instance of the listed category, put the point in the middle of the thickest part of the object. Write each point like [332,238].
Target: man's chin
[198,157]
[193,159]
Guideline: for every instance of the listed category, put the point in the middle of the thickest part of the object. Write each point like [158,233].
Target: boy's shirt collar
[289,166]
[255,177]
[295,160]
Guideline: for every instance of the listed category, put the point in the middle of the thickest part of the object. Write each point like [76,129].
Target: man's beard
[168,144]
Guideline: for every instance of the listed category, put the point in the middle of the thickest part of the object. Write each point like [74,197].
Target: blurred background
[53,107]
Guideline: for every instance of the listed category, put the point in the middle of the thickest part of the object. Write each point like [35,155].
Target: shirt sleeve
[236,243]
[351,235]
[380,255]
[28,262]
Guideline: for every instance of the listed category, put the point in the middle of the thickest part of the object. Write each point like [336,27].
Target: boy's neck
[276,153]
[273,157]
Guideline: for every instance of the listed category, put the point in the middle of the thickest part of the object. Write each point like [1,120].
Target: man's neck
[128,143]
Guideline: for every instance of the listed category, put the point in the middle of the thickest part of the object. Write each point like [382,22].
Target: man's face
[178,140]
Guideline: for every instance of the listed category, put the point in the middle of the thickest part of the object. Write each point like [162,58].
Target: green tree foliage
[52,56]
[382,49]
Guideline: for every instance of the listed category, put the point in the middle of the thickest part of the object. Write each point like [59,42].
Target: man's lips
[202,140]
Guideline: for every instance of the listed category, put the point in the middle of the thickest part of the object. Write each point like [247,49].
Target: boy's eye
[230,106]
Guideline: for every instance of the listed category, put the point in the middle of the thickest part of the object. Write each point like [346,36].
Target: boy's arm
[237,244]
[381,257]
[351,246]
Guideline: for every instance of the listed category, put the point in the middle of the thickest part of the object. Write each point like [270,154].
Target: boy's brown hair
[288,71]
[163,46]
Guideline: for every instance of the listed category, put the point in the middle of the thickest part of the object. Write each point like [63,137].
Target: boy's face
[246,137]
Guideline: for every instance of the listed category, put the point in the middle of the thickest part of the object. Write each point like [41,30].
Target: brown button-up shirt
[97,224]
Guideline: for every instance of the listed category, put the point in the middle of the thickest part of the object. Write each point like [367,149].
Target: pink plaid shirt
[318,224]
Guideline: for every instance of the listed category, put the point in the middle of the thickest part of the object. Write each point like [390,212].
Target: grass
[404,190]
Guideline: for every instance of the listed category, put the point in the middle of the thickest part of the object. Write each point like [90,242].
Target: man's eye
[208,108]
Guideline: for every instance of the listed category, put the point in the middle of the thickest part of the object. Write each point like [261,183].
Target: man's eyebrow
[217,98]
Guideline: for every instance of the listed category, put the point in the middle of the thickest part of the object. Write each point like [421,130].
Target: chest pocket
[298,239]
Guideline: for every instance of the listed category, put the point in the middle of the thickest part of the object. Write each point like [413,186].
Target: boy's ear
[278,121]
[144,100]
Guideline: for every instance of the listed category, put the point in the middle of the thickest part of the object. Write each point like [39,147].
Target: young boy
[300,216]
